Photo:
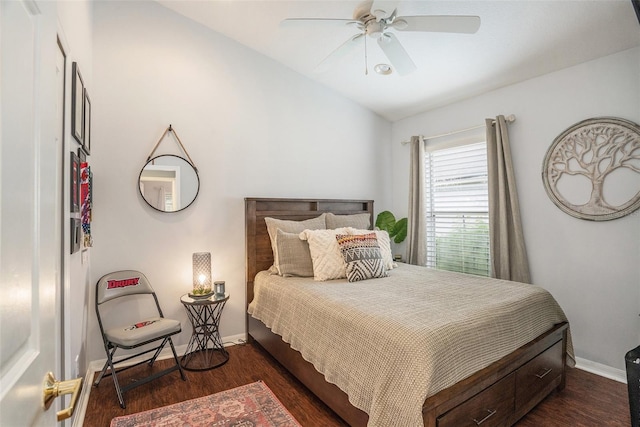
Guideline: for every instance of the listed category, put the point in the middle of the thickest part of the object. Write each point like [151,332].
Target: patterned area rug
[251,405]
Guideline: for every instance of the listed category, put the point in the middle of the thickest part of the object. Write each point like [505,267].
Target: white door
[29,211]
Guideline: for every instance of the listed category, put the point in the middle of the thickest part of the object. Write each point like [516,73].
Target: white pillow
[383,241]
[328,262]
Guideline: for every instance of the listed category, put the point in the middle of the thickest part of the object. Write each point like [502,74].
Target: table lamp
[201,273]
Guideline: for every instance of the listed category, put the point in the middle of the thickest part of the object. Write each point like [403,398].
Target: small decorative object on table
[218,287]
[201,275]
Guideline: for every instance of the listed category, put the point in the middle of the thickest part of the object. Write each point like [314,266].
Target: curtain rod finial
[511,118]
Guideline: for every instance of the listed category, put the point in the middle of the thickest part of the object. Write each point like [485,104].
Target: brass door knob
[53,388]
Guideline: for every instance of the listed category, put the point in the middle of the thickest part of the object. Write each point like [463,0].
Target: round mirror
[169,183]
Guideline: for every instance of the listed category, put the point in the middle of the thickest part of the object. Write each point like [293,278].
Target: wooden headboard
[258,245]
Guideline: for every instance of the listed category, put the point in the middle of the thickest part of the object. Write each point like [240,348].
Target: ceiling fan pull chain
[366,63]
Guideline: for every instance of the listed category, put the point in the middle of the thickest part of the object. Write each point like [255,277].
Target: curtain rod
[510,119]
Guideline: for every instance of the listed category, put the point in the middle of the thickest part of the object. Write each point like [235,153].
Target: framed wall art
[74,179]
[75,235]
[77,104]
[86,203]
[86,142]
[592,169]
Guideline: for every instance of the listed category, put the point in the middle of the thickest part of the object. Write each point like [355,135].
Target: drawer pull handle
[491,414]
[544,374]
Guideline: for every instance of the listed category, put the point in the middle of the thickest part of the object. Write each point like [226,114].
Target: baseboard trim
[81,409]
[602,370]
[96,365]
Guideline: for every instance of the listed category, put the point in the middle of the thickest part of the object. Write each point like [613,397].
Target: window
[457,208]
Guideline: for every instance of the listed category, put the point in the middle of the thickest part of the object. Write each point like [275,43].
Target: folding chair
[125,284]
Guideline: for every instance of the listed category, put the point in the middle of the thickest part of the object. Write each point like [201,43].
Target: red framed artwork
[74,178]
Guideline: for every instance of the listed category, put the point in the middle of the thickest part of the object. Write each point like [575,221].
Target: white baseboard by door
[96,365]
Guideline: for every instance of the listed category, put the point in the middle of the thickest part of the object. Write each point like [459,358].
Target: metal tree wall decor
[592,169]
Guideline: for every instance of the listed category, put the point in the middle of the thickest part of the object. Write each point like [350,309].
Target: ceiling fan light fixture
[383,69]
[374,29]
[384,38]
[379,14]
[400,24]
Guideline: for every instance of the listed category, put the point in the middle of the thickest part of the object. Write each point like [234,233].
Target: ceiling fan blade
[438,23]
[328,22]
[396,54]
[342,50]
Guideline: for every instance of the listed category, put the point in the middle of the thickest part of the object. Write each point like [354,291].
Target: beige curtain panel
[508,251]
[417,228]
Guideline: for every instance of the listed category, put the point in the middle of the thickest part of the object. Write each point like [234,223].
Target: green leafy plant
[397,229]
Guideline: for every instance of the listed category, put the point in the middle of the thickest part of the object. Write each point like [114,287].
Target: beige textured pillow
[289,226]
[361,221]
[294,258]
[385,245]
[328,262]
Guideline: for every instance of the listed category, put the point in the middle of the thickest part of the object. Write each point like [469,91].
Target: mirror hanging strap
[171,130]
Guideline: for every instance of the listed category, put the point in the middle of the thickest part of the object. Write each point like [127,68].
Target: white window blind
[458,209]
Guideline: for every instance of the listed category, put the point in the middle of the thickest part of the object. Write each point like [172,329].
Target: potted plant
[397,229]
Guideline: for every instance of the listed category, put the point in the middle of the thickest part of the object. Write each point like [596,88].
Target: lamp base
[200,296]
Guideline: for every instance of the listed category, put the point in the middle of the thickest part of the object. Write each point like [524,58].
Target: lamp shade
[201,272]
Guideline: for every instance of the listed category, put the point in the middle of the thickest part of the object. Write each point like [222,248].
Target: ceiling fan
[371,19]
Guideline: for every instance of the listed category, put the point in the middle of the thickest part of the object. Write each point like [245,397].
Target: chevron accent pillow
[385,245]
[362,256]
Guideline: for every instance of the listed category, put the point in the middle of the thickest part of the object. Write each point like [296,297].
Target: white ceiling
[517,40]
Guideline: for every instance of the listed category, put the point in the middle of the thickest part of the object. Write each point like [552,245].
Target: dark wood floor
[588,400]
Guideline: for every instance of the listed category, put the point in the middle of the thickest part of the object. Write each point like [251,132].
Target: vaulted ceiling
[517,40]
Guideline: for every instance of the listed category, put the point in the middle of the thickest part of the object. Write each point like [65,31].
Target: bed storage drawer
[490,407]
[538,377]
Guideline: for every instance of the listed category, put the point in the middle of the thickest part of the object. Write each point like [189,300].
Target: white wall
[75,32]
[253,128]
[592,268]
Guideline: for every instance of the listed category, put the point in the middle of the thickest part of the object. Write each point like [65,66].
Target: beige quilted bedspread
[390,343]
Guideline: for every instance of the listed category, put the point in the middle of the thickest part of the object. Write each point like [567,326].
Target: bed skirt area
[460,402]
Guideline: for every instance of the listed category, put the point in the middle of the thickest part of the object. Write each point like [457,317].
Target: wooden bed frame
[499,394]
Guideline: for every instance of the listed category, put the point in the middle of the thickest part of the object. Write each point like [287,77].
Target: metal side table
[205,350]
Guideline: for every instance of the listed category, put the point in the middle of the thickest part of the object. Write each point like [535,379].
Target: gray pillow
[294,257]
[288,226]
[359,221]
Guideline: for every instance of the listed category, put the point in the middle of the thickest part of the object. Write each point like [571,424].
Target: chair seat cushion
[145,330]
